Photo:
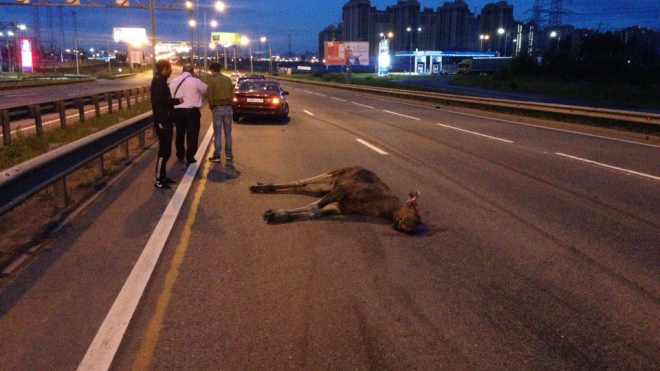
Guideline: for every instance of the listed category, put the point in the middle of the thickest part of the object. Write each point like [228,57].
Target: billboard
[225,38]
[135,36]
[26,54]
[340,53]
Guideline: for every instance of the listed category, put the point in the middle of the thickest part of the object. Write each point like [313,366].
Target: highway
[539,251]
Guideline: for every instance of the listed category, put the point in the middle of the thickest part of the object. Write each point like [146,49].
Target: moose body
[350,190]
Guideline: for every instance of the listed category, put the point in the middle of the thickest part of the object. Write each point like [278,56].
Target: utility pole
[289,53]
[62,47]
[75,40]
[153,36]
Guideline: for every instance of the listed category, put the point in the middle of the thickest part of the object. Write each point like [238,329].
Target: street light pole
[191,52]
[153,37]
[270,55]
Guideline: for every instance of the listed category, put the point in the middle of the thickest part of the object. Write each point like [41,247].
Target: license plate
[255,100]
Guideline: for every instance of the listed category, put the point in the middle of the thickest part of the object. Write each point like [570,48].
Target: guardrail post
[97,106]
[127,94]
[123,150]
[60,194]
[35,112]
[147,92]
[6,129]
[118,96]
[61,109]
[137,95]
[108,99]
[141,139]
[81,108]
[98,167]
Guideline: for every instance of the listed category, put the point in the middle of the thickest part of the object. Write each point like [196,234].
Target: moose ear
[413,196]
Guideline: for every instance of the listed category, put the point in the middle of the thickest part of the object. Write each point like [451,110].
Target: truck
[482,65]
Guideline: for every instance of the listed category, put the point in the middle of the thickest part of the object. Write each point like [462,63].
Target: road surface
[539,251]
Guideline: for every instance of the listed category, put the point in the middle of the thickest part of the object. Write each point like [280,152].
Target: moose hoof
[262,188]
[273,217]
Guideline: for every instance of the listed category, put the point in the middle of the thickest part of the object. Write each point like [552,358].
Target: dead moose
[351,191]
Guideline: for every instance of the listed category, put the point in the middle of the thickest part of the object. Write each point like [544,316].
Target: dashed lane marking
[475,133]
[309,113]
[372,146]
[609,166]
[399,114]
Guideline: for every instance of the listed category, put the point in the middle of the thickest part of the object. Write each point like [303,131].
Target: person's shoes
[162,185]
[169,181]
[214,159]
[230,158]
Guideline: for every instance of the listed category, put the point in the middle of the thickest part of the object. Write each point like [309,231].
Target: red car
[260,98]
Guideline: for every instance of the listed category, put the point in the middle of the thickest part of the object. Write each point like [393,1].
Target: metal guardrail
[581,111]
[35,110]
[20,182]
[38,83]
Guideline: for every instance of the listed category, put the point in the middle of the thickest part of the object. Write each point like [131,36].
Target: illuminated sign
[26,54]
[341,53]
[134,36]
[226,38]
[384,59]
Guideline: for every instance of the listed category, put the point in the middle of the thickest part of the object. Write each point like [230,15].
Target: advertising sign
[26,54]
[226,38]
[340,53]
[133,36]
[383,57]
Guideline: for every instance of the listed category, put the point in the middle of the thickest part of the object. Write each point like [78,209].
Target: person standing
[219,96]
[187,116]
[162,105]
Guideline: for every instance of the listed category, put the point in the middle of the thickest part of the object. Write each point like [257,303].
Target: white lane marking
[341,100]
[398,114]
[309,113]
[19,95]
[363,105]
[320,95]
[372,146]
[519,123]
[307,91]
[553,129]
[475,133]
[609,166]
[101,352]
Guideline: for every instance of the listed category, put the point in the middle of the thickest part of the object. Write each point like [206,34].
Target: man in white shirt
[187,115]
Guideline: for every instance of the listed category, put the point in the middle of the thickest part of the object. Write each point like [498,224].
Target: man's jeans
[222,119]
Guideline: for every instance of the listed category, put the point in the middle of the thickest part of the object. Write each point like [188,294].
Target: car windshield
[258,86]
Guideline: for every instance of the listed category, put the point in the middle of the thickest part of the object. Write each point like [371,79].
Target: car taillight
[276,101]
[235,99]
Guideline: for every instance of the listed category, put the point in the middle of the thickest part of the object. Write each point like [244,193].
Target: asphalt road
[46,94]
[539,251]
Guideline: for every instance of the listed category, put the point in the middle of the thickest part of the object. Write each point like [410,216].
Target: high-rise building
[356,19]
[330,33]
[405,22]
[454,20]
[495,16]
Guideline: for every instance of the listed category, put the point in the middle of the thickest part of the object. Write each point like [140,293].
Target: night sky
[303,19]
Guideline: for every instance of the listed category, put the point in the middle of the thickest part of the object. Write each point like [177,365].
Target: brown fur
[350,190]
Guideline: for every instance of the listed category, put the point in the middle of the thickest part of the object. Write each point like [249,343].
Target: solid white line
[309,113]
[363,105]
[341,100]
[101,352]
[321,95]
[472,132]
[398,114]
[372,147]
[19,95]
[609,166]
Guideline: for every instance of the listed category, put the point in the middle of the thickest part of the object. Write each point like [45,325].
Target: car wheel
[285,113]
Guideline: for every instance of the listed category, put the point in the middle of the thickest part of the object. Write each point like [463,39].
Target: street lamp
[192,23]
[246,41]
[219,7]
[554,34]
[270,55]
[502,31]
[409,29]
[481,41]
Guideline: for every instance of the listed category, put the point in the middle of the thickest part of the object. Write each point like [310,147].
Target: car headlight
[276,101]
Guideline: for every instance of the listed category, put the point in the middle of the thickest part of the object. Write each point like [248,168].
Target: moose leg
[325,206]
[320,184]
